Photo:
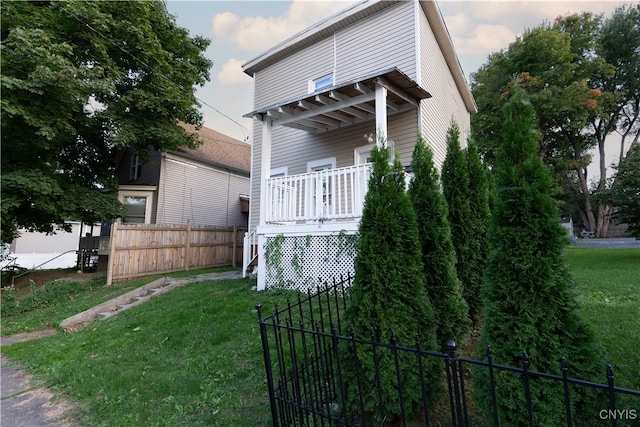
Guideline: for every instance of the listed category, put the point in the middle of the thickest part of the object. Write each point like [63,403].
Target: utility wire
[148,68]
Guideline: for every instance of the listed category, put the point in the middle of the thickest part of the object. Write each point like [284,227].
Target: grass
[608,295]
[193,356]
[190,357]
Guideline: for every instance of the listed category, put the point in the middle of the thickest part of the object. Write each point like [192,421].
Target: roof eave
[443,38]
[330,24]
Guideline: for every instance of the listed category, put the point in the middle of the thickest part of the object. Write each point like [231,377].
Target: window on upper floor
[136,167]
[321,82]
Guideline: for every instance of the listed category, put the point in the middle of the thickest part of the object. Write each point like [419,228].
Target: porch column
[381,114]
[265,167]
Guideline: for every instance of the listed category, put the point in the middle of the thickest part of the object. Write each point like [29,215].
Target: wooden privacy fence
[144,249]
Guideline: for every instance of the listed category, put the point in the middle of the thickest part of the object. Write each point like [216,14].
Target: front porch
[310,221]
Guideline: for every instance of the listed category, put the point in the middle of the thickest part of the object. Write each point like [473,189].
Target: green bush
[529,303]
[477,226]
[457,193]
[438,255]
[388,298]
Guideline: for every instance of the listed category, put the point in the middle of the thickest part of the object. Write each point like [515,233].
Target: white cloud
[256,33]
[232,74]
[479,28]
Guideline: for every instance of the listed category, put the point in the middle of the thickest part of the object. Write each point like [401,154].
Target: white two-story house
[377,71]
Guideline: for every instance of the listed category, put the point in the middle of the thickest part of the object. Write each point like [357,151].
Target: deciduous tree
[80,82]
[581,73]
[625,192]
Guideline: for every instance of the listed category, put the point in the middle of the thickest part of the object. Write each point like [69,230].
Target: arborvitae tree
[388,297]
[528,300]
[478,223]
[438,256]
[455,187]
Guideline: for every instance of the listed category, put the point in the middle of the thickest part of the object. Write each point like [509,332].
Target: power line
[245,132]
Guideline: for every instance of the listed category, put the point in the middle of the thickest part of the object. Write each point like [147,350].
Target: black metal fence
[301,345]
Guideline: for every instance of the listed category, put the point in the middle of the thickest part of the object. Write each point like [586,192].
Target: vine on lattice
[304,262]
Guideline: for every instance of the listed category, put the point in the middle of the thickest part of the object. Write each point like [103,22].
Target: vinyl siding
[149,172]
[382,41]
[205,195]
[289,78]
[446,102]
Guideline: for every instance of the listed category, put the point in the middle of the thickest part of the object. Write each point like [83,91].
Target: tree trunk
[588,219]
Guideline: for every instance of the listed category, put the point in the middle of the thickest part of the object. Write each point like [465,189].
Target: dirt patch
[23,284]
[26,336]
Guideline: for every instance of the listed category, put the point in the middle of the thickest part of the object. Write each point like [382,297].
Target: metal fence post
[267,365]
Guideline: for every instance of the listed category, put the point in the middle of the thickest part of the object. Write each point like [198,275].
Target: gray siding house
[208,185]
[377,71]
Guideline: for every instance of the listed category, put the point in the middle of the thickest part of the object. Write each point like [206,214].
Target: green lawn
[193,356]
[608,294]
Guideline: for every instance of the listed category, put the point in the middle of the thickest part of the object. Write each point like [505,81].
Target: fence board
[145,249]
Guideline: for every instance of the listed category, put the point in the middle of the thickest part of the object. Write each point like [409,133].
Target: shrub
[438,256]
[455,187]
[388,298]
[528,300]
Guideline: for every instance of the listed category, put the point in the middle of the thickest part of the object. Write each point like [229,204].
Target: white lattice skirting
[303,262]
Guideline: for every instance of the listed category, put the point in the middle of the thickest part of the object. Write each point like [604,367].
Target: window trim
[138,192]
[314,83]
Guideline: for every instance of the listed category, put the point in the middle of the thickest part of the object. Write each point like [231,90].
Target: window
[321,83]
[137,201]
[136,167]
[321,186]
[136,208]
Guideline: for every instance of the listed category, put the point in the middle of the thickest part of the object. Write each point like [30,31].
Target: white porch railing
[327,195]
[249,250]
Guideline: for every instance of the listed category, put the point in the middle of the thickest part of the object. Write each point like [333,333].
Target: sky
[240,30]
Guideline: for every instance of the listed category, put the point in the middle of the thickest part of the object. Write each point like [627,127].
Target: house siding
[289,78]
[446,102]
[204,195]
[149,173]
[382,41]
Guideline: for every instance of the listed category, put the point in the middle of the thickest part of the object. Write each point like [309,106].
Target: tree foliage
[438,255]
[80,82]
[388,299]
[456,190]
[528,299]
[581,74]
[625,192]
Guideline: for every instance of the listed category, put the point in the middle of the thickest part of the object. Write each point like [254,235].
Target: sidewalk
[25,404]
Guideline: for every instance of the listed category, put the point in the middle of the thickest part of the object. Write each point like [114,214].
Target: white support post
[265,168]
[381,115]
[262,264]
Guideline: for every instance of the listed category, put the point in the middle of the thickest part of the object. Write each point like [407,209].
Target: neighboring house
[378,67]
[208,185]
[46,251]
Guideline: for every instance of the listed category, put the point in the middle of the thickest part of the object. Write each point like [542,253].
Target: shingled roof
[218,150]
